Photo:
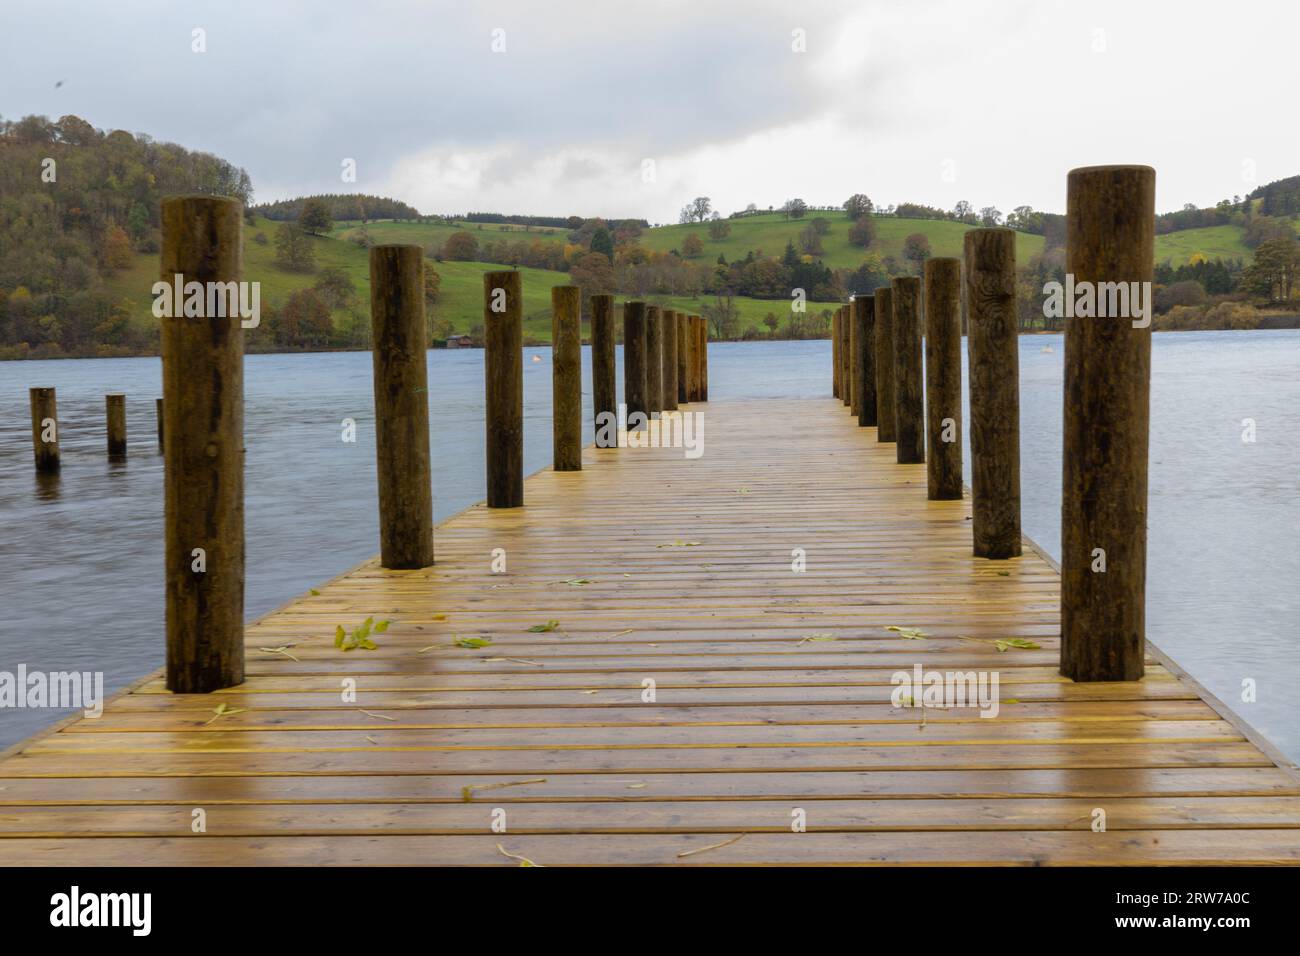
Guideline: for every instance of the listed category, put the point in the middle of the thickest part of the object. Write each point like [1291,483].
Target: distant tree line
[340,207]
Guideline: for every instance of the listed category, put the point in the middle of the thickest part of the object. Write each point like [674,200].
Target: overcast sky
[932,102]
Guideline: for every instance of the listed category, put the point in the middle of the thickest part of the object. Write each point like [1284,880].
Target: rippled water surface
[81,557]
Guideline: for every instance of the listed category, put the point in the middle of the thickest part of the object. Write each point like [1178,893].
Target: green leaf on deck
[473,642]
[908,633]
[544,628]
[1019,643]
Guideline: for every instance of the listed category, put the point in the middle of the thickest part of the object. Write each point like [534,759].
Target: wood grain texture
[203,472]
[634,360]
[115,425]
[45,429]
[864,357]
[401,383]
[886,423]
[668,381]
[1110,243]
[503,357]
[943,379]
[909,384]
[604,388]
[566,378]
[994,361]
[684,352]
[654,359]
[771,692]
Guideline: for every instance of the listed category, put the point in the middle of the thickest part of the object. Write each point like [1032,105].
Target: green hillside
[460,297]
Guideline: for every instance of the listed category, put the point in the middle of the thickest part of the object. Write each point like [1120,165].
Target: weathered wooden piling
[604,394]
[115,425]
[854,345]
[943,378]
[634,361]
[503,310]
[704,358]
[45,429]
[835,354]
[909,387]
[566,377]
[696,359]
[401,382]
[654,360]
[1110,236]
[846,357]
[885,420]
[864,322]
[158,409]
[203,472]
[993,357]
[683,359]
[668,382]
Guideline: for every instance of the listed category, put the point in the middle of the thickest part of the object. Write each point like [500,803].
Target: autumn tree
[315,217]
[460,247]
[692,246]
[293,249]
[116,252]
[916,249]
[697,210]
[719,229]
[863,231]
[858,205]
[794,208]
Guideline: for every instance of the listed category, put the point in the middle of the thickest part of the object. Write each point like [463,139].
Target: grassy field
[1213,242]
[461,293]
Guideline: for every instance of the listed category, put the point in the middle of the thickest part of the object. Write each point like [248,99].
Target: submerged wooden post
[909,388]
[943,378]
[604,394]
[1110,236]
[669,380]
[503,311]
[835,354]
[683,359]
[115,425]
[566,377]
[885,420]
[203,471]
[654,361]
[634,360]
[401,381]
[864,358]
[45,429]
[993,347]
[158,408]
[704,358]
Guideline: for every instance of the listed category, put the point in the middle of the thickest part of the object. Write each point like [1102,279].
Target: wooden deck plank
[772,692]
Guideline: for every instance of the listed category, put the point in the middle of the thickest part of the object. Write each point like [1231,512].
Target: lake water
[81,559]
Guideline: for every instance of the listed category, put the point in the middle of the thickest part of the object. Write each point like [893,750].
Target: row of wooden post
[45,428]
[876,371]
[201,436]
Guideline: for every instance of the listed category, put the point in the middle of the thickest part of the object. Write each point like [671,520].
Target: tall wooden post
[45,429]
[654,360]
[669,380]
[693,323]
[1110,242]
[885,419]
[854,395]
[115,425]
[566,377]
[835,354]
[203,470]
[994,359]
[399,356]
[158,408]
[604,394]
[634,360]
[909,388]
[704,358]
[943,378]
[683,359]
[846,357]
[864,323]
[503,311]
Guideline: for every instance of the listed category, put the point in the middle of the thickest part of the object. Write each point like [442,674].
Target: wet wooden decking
[771,696]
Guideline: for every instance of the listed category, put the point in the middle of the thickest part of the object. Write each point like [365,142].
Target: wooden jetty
[771,695]
[797,647]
